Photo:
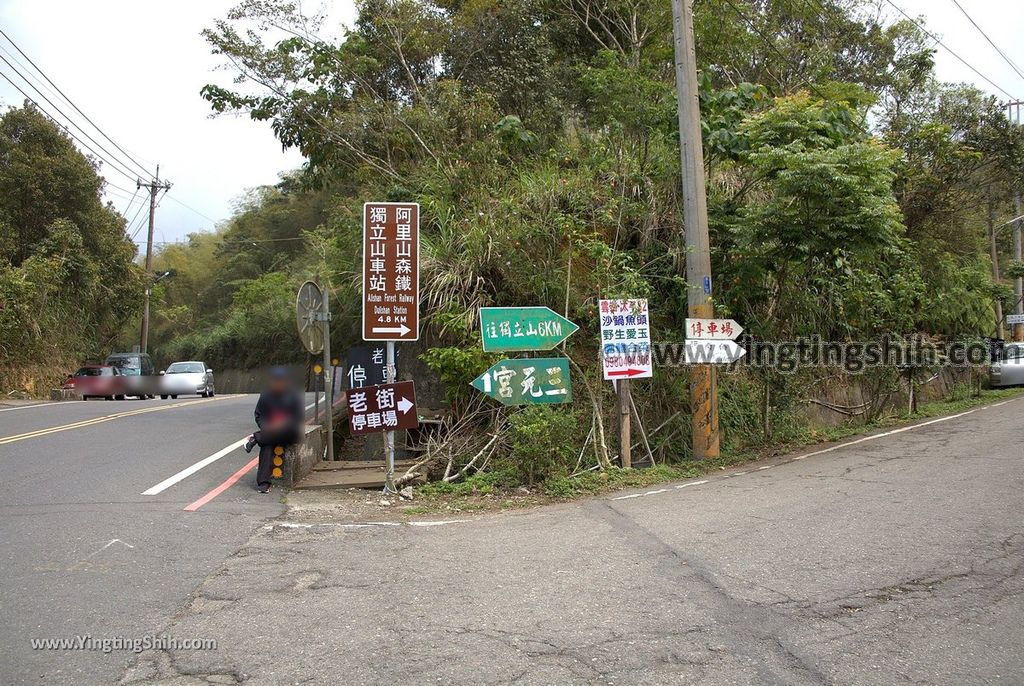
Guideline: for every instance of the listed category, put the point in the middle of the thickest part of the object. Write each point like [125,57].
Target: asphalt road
[892,560]
[85,552]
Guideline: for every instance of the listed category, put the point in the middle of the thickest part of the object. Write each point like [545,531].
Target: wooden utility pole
[994,254]
[1013,112]
[154,187]
[703,382]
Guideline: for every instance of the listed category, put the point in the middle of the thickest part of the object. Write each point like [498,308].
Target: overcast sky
[136,67]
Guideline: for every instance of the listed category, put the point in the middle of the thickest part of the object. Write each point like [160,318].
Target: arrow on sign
[532,381]
[713,352]
[628,372]
[505,329]
[404,405]
[400,330]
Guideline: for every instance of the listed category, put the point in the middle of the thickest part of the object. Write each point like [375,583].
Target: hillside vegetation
[849,191]
[68,281]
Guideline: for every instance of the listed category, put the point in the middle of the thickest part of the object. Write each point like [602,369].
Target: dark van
[137,367]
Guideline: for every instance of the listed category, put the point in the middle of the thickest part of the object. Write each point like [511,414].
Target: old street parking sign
[387,407]
[365,365]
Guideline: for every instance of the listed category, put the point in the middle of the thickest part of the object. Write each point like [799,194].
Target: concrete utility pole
[994,255]
[154,187]
[1013,112]
[703,382]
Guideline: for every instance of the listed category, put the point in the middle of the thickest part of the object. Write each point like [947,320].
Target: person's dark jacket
[280,411]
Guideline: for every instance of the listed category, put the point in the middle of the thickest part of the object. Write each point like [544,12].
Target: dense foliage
[848,190]
[68,281]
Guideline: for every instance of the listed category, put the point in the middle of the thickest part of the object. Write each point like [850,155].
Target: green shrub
[543,443]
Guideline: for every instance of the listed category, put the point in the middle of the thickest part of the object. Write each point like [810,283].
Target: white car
[186,378]
[1009,371]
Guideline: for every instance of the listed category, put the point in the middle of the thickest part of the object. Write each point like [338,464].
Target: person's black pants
[267,440]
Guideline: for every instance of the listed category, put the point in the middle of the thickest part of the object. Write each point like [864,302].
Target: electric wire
[145,171]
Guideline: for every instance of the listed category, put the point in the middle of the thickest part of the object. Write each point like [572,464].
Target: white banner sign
[626,339]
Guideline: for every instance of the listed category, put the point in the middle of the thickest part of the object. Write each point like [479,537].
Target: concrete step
[350,474]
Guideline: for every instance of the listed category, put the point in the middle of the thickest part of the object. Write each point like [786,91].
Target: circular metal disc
[308,304]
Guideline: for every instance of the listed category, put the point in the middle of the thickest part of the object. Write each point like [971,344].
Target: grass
[493,491]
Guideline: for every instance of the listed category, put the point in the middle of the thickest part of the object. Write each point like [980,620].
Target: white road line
[28,407]
[885,434]
[189,471]
[443,522]
[359,525]
[829,449]
[108,544]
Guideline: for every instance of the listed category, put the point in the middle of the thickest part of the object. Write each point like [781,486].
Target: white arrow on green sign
[533,381]
[507,329]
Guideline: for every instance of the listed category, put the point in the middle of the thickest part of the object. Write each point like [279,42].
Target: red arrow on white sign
[632,371]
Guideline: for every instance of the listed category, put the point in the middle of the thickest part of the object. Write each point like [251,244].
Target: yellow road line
[99,420]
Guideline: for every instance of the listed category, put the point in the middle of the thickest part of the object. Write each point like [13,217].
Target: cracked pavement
[894,561]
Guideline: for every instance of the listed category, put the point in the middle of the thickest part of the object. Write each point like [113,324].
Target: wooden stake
[625,449]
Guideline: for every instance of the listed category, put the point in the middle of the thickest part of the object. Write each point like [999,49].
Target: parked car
[185,378]
[139,372]
[97,381]
[1009,369]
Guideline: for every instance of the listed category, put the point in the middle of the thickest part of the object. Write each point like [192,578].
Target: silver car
[186,378]
[1009,371]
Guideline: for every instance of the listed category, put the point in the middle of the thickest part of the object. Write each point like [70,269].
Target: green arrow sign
[533,381]
[505,329]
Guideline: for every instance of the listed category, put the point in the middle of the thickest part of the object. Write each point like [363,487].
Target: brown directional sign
[387,407]
[391,271]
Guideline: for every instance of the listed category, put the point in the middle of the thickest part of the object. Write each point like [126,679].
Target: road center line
[100,420]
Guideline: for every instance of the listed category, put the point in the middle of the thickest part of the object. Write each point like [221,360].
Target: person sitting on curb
[279,416]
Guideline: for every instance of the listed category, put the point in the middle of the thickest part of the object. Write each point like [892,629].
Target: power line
[990,41]
[950,50]
[128,207]
[119,169]
[240,241]
[70,102]
[143,222]
[189,207]
[114,192]
[128,226]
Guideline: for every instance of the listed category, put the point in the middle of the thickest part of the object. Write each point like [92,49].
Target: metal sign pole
[316,393]
[328,386]
[389,437]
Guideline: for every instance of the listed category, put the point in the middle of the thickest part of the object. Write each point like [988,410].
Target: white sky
[136,67]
